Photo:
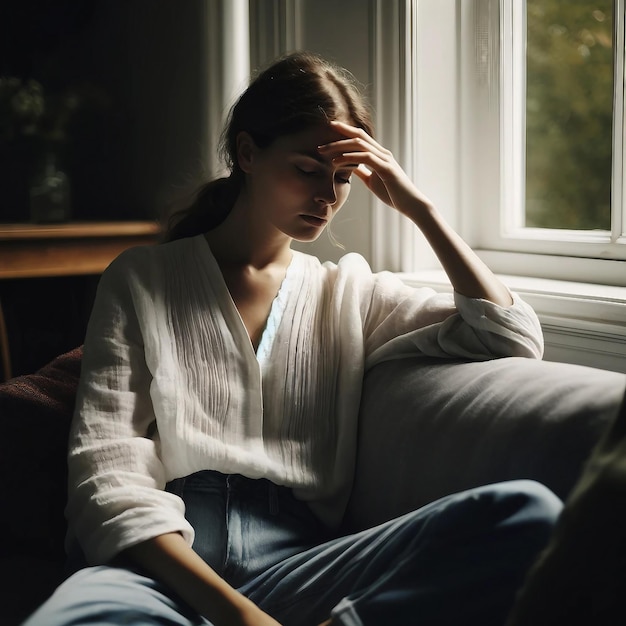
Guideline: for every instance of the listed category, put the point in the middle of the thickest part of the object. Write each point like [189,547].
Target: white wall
[342,32]
[368,37]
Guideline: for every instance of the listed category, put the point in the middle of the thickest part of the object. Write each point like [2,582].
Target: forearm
[467,273]
[170,560]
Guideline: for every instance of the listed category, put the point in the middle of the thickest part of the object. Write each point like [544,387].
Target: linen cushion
[429,428]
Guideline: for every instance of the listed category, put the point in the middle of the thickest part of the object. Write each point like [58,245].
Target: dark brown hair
[296,92]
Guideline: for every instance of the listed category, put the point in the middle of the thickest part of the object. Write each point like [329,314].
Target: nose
[325,192]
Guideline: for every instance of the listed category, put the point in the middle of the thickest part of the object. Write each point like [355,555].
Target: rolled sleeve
[424,323]
[116,494]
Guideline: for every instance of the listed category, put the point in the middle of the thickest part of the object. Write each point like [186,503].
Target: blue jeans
[457,561]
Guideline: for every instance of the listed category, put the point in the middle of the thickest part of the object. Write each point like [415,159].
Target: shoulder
[349,268]
[142,260]
[352,273]
[352,262]
[145,270]
[355,270]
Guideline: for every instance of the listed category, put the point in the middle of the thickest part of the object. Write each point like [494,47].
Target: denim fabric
[457,561]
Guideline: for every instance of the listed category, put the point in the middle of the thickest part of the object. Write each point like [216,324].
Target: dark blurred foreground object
[580,579]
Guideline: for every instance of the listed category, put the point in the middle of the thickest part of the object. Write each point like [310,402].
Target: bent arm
[117,504]
[116,476]
[467,273]
[387,180]
[169,559]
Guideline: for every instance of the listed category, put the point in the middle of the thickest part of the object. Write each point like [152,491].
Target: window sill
[583,323]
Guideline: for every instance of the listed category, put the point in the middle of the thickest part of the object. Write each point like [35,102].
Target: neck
[241,241]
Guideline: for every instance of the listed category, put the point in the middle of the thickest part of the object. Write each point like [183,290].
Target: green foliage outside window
[569,114]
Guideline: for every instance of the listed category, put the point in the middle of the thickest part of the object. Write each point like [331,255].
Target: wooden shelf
[71,249]
[11,232]
[55,250]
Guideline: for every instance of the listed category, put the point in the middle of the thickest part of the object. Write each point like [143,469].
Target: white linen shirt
[171,384]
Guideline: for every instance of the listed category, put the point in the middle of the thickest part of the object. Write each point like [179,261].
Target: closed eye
[306,171]
[313,169]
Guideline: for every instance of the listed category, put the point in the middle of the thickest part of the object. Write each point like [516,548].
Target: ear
[246,151]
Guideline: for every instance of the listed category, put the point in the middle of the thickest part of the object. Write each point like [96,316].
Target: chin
[308,238]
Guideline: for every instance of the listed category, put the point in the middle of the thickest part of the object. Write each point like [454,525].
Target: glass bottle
[50,194]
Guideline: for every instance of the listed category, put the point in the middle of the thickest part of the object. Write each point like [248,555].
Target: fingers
[355,145]
[363,172]
[363,160]
[372,163]
[356,152]
[353,131]
[358,148]
[357,136]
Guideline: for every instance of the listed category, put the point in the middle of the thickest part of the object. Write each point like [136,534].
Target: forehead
[308,140]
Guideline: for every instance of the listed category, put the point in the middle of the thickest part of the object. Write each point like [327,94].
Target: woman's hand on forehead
[374,165]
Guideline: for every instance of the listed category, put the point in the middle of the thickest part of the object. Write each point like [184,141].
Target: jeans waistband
[231,483]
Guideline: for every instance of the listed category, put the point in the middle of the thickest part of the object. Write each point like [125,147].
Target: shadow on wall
[124,95]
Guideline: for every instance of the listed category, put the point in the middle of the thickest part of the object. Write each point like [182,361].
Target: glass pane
[569,116]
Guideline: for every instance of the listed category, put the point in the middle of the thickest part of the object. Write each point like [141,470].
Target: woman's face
[291,185]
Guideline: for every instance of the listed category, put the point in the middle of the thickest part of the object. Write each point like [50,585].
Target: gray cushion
[430,427]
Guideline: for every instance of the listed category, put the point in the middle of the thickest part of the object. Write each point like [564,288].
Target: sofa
[427,428]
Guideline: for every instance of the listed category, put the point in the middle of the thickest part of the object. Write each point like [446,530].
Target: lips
[313,220]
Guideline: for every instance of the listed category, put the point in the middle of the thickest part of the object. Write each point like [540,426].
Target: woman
[214,440]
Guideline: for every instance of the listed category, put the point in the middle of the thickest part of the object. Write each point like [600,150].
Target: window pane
[569,100]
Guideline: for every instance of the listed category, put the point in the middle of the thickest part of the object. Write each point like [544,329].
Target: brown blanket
[35,414]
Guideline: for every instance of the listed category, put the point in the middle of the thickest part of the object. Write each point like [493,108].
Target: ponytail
[210,208]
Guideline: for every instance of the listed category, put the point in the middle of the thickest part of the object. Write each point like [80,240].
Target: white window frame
[547,253]
[456,158]
[480,149]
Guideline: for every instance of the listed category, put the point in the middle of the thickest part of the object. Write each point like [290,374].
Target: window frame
[439,148]
[498,104]
[455,158]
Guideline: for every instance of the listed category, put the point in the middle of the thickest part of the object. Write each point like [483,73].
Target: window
[569,73]
[470,115]
[552,98]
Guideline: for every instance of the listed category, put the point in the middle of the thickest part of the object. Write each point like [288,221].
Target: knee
[105,595]
[540,500]
[81,598]
[528,504]
[524,507]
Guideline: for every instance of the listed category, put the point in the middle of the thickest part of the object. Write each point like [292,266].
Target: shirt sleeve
[116,494]
[403,321]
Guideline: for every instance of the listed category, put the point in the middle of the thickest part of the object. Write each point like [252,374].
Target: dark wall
[138,70]
[137,139]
